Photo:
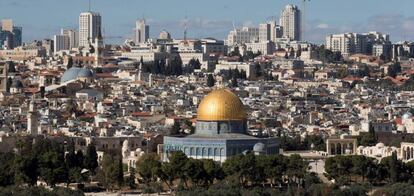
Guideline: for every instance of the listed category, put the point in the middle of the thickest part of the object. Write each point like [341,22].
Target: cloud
[398,26]
[323,26]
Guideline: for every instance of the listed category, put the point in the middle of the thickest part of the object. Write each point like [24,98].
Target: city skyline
[119,19]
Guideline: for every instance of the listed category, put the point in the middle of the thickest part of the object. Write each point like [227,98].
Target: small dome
[380,145]
[85,73]
[259,147]
[221,105]
[76,72]
[407,115]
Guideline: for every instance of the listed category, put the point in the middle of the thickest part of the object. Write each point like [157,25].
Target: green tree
[91,159]
[120,173]
[167,174]
[6,169]
[148,167]
[108,173]
[395,189]
[25,170]
[178,160]
[394,69]
[339,168]
[194,170]
[52,164]
[8,84]
[70,62]
[80,159]
[276,168]
[131,179]
[176,128]
[210,80]
[296,169]
[368,139]
[213,171]
[233,83]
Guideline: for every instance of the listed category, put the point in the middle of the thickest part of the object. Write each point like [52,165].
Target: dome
[380,145]
[221,105]
[259,147]
[75,72]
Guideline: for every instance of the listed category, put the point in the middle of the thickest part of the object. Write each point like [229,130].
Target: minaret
[150,81]
[32,119]
[98,48]
[140,77]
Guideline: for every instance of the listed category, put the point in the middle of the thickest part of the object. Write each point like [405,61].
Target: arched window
[198,152]
[351,147]
[192,151]
[210,152]
[338,148]
[205,153]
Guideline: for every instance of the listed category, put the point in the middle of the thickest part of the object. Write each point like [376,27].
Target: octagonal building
[221,131]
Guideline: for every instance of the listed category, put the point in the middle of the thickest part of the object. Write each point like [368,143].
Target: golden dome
[221,105]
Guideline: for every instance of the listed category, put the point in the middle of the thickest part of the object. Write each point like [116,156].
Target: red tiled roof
[31,90]
[398,121]
[105,75]
[351,78]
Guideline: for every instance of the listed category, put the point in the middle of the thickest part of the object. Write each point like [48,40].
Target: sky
[210,18]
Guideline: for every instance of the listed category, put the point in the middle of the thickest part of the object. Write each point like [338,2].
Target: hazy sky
[211,18]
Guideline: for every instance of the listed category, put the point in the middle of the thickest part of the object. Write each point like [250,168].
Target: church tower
[32,119]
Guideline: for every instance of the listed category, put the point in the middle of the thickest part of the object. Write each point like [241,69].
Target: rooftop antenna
[303,19]
[234,26]
[89,5]
[185,27]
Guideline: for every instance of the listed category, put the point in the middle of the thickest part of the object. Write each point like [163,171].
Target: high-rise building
[73,37]
[48,45]
[141,31]
[89,27]
[275,31]
[290,20]
[17,36]
[352,43]
[10,35]
[7,25]
[61,42]
[344,43]
[265,33]
[244,35]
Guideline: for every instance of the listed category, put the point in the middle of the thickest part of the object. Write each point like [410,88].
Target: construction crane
[303,20]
